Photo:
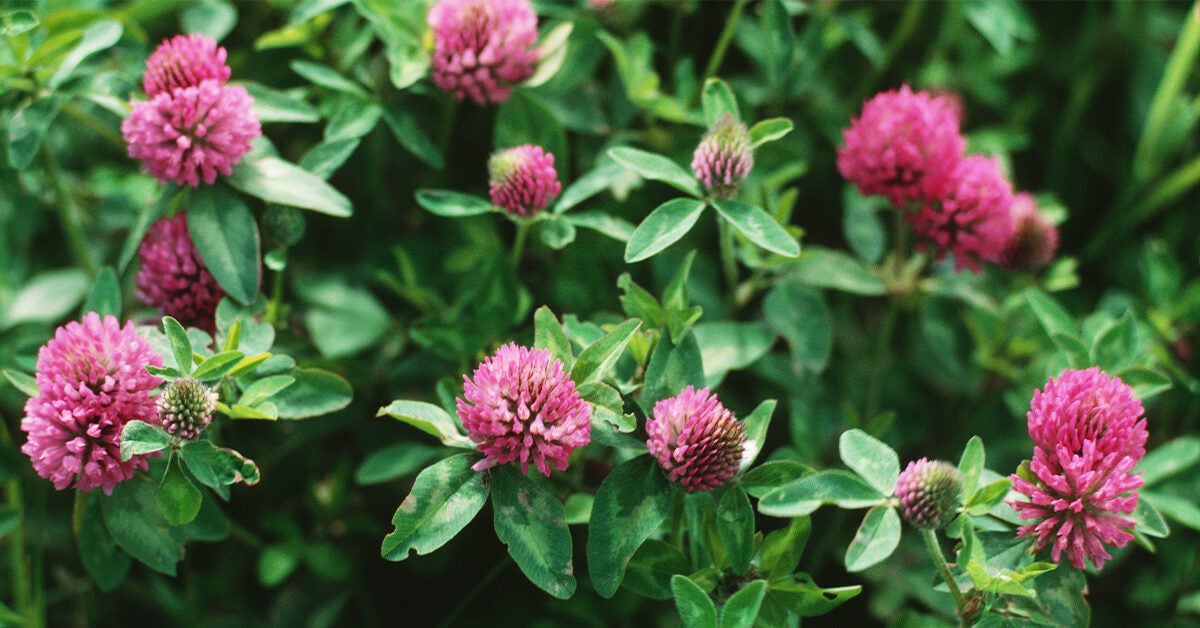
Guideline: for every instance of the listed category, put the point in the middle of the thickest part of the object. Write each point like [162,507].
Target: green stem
[939,560]
[519,244]
[879,366]
[275,305]
[24,591]
[466,600]
[718,53]
[728,258]
[1179,66]
[68,216]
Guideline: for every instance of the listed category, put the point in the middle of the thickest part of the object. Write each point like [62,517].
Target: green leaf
[799,314]
[106,563]
[741,609]
[1073,349]
[875,540]
[27,127]
[671,369]
[216,467]
[13,23]
[1149,520]
[105,297]
[218,365]
[1145,382]
[452,204]
[630,505]
[445,497]
[696,609]
[589,185]
[862,226]
[551,54]
[825,268]
[806,494]
[605,224]
[769,476]
[181,347]
[532,523]
[523,119]
[213,18]
[430,419]
[662,227]
[735,528]
[178,499]
[394,461]
[48,297]
[277,181]
[315,392]
[756,424]
[146,217]
[804,598]
[1169,459]
[1050,314]
[769,130]
[100,35]
[1181,509]
[871,458]
[650,569]
[1001,22]
[139,437]
[556,231]
[729,346]
[987,497]
[226,237]
[406,128]
[344,319]
[1118,346]
[133,518]
[598,358]
[718,101]
[272,105]
[971,464]
[327,77]
[782,549]
[353,118]
[548,334]
[264,389]
[758,226]
[276,563]
[656,167]
[23,382]
[325,158]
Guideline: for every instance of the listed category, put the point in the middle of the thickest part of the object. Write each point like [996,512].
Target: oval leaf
[805,495]
[758,226]
[696,609]
[875,540]
[445,497]
[630,505]
[871,458]
[662,227]
[277,181]
[656,167]
[452,204]
[532,523]
[226,237]
[429,419]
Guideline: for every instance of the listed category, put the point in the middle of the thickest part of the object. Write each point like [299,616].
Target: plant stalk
[939,560]
[25,593]
[68,216]
[728,257]
[718,53]
[519,244]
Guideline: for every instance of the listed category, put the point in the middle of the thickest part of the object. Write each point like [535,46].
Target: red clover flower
[184,61]
[1088,434]
[520,405]
[522,179]
[482,47]
[902,142]
[173,277]
[930,492]
[1033,240]
[695,439]
[967,214]
[724,157]
[92,380]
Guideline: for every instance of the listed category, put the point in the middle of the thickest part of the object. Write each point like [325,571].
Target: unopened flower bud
[724,157]
[930,492]
[186,408]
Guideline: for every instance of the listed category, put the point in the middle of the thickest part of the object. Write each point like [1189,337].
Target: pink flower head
[968,213]
[1088,434]
[92,380]
[1033,239]
[930,492]
[519,404]
[522,179]
[192,133]
[482,47]
[173,278]
[695,439]
[724,157]
[184,61]
[902,141]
